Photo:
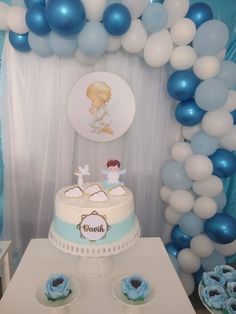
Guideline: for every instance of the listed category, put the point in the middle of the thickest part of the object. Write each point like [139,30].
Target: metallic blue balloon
[224,163]
[182,84]
[116,19]
[180,239]
[199,13]
[30,3]
[65,17]
[188,113]
[233,113]
[221,228]
[36,20]
[19,41]
[156,1]
[172,249]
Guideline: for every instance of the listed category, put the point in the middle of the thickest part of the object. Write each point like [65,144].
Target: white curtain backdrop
[41,149]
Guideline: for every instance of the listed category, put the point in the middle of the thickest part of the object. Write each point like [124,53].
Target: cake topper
[80,172]
[113,173]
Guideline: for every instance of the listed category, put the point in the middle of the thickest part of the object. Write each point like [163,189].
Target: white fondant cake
[92,219]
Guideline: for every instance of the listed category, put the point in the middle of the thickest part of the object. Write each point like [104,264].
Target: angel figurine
[113,173]
[80,172]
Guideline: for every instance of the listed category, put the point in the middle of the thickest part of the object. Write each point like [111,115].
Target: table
[4,263]
[147,257]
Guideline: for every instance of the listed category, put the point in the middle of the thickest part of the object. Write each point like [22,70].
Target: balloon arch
[194,44]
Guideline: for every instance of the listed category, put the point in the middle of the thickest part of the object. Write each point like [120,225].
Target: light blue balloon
[204,144]
[174,262]
[93,39]
[18,3]
[191,224]
[211,94]
[40,45]
[209,263]
[221,201]
[228,73]
[62,46]
[175,177]
[112,2]
[211,37]
[154,17]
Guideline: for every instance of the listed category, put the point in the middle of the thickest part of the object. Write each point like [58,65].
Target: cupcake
[212,278]
[231,289]
[57,287]
[229,306]
[214,296]
[228,272]
[135,287]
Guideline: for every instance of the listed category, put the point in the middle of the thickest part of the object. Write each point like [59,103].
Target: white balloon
[201,245]
[172,217]
[189,131]
[134,39]
[4,8]
[188,262]
[205,207]
[85,60]
[225,249]
[114,43]
[230,104]
[94,9]
[176,9]
[183,32]
[210,187]
[183,58]
[181,201]
[198,167]
[217,123]
[228,141]
[158,48]
[135,8]
[16,20]
[187,282]
[165,193]
[206,67]
[181,151]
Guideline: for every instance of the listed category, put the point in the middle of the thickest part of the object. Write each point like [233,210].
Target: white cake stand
[95,259]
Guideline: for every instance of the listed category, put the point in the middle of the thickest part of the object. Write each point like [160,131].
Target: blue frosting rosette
[214,296]
[57,287]
[229,306]
[135,287]
[212,278]
[227,271]
[231,289]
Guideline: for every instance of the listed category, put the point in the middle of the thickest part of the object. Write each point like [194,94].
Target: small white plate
[212,311]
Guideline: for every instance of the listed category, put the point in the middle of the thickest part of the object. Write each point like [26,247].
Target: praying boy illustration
[100,93]
[113,173]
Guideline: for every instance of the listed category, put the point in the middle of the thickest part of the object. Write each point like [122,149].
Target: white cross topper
[80,172]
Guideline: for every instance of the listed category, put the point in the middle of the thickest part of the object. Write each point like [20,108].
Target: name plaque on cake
[93,227]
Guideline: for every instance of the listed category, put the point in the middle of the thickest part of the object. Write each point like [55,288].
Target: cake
[135,287]
[57,287]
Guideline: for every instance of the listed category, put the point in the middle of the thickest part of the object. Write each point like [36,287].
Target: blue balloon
[228,73]
[233,113]
[154,17]
[224,163]
[204,144]
[198,276]
[116,19]
[211,37]
[63,46]
[199,13]
[156,1]
[179,238]
[19,41]
[172,249]
[182,84]
[40,45]
[221,228]
[211,94]
[93,39]
[221,201]
[65,17]
[175,177]
[36,20]
[209,263]
[191,224]
[30,3]
[188,113]
[174,262]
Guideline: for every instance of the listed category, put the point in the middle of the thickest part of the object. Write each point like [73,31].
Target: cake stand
[95,259]
[129,306]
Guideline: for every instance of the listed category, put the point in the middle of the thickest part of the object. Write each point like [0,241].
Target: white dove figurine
[80,172]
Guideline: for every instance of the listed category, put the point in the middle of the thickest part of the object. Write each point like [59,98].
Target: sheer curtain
[41,149]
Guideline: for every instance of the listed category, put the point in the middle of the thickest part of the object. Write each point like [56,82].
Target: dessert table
[147,257]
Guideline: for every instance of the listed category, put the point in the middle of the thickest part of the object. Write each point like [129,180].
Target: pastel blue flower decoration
[57,287]
[214,296]
[228,272]
[135,287]
[231,289]
[229,306]
[212,278]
